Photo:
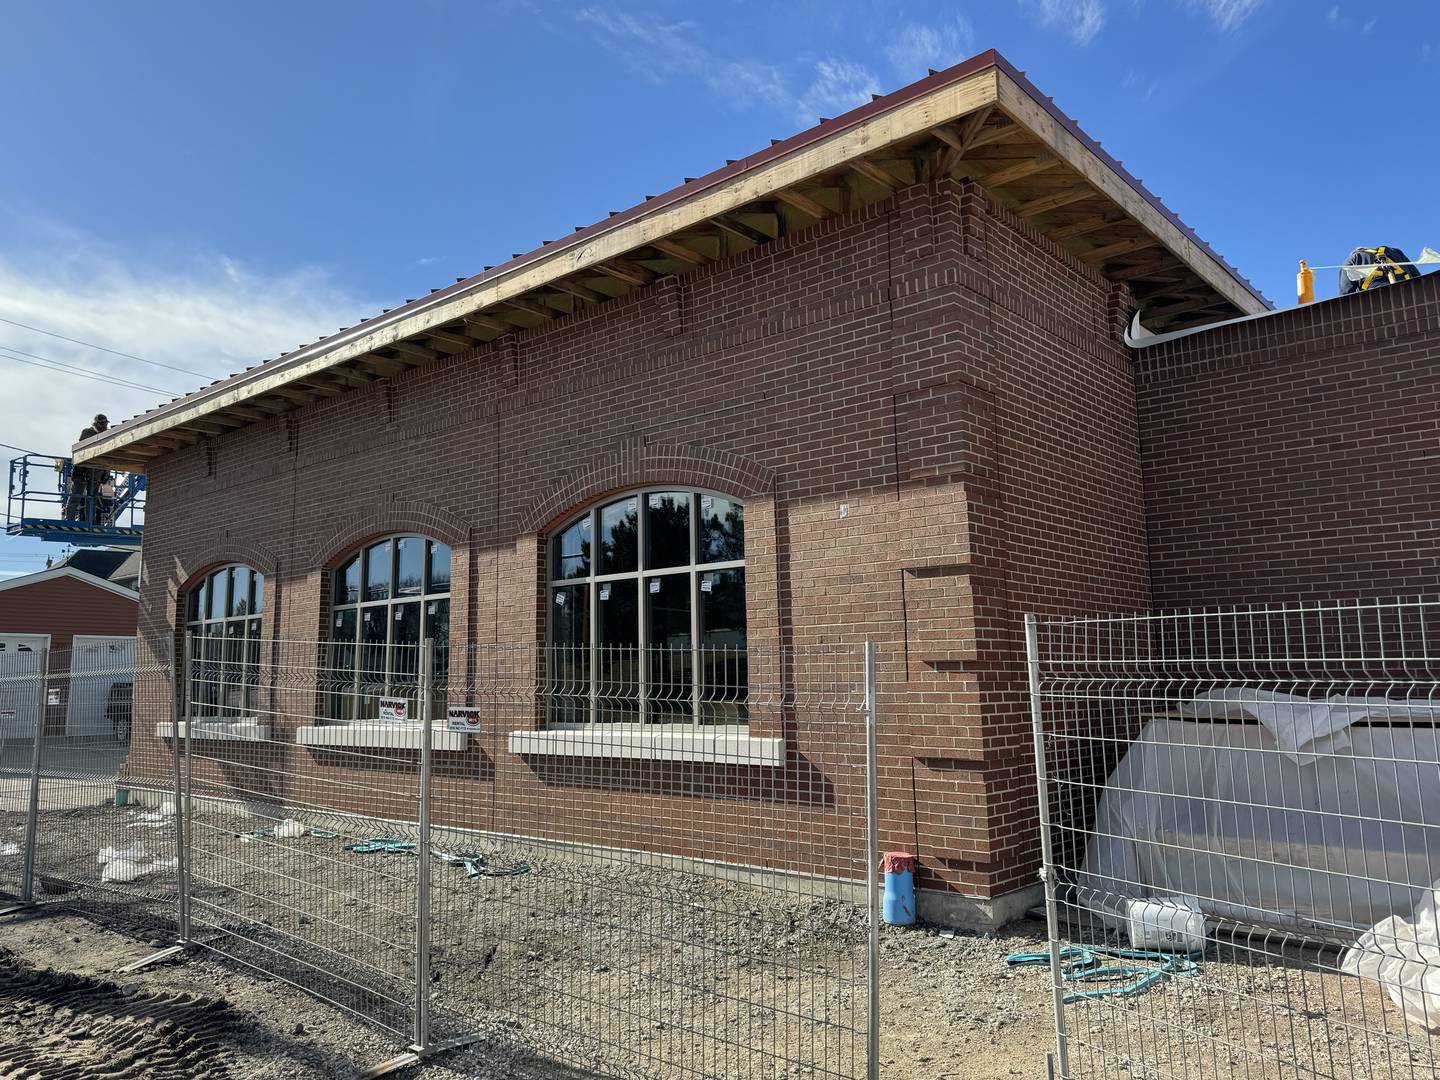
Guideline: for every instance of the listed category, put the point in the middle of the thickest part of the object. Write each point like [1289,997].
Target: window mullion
[642,607]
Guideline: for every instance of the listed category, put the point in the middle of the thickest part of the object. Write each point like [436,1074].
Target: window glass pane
[667,529]
[232,670]
[257,593]
[617,659]
[347,582]
[341,676]
[439,576]
[722,529]
[567,672]
[195,606]
[724,662]
[405,644]
[217,595]
[377,571]
[572,551]
[409,566]
[373,630]
[437,625]
[251,674]
[240,590]
[620,536]
[669,689]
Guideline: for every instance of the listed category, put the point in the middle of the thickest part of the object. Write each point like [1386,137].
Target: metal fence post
[32,815]
[872,873]
[422,850]
[1047,860]
[179,692]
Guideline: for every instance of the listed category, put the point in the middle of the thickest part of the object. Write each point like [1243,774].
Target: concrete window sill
[723,748]
[378,736]
[238,729]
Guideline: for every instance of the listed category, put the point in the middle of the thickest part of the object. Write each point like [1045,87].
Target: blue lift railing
[52,499]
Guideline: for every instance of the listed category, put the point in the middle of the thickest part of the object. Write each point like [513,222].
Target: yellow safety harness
[1385,265]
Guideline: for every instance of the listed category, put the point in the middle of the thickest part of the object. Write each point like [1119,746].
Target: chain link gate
[1240,825]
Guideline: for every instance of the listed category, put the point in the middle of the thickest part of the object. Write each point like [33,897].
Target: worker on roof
[83,501]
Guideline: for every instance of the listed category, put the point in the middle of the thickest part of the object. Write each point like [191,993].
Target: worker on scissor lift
[86,499]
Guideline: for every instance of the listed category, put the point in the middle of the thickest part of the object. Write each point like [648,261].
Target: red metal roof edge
[990,58]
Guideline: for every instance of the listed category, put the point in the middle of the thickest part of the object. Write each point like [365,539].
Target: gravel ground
[614,969]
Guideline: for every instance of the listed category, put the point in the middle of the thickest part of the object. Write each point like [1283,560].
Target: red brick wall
[1294,457]
[932,364]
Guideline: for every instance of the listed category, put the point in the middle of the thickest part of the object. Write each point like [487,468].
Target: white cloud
[917,47]
[1139,85]
[658,51]
[1229,14]
[838,86]
[1080,20]
[1369,24]
[1334,14]
[208,314]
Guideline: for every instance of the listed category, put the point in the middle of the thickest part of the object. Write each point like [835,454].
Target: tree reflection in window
[647,612]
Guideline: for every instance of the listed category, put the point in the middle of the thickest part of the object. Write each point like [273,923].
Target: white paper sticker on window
[560,599]
[585,524]
[657,501]
[706,502]
[399,614]
[707,583]
[604,592]
[434,606]
[654,585]
[367,615]
[339,620]
[633,506]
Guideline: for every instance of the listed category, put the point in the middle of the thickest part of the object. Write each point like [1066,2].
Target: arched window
[386,599]
[222,635]
[647,612]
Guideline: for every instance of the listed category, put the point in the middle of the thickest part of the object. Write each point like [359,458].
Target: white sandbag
[1403,956]
[1261,832]
[289,829]
[122,870]
[110,854]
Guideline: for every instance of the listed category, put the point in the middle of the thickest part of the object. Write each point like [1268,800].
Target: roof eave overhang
[984,81]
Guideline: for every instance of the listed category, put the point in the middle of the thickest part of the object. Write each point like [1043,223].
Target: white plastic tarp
[1300,818]
[1403,955]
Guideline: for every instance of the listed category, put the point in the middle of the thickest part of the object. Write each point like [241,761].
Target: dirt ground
[615,969]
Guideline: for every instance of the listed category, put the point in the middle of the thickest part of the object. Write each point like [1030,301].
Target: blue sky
[207,185]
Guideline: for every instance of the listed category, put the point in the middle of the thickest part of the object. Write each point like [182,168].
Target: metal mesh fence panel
[288,821]
[91,847]
[656,871]
[652,862]
[1242,836]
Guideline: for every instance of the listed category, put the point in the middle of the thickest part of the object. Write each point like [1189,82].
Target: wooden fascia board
[1026,111]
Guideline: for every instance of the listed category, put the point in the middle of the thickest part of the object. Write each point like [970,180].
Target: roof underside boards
[979,120]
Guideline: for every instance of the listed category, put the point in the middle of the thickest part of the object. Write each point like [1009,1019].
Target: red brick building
[876,374]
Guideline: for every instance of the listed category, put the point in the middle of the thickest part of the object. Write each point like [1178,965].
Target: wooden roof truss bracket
[981,120]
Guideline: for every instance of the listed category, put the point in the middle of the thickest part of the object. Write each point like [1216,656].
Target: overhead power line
[102,348]
[22,449]
[78,373]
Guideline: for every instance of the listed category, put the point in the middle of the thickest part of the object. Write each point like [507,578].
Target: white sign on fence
[394,708]
[463,719]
